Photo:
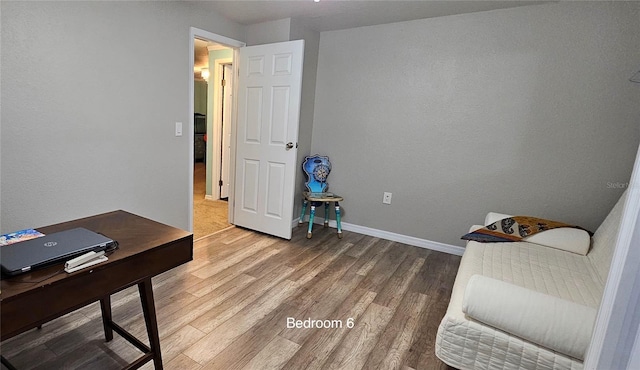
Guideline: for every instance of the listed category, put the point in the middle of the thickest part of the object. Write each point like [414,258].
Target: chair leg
[326,215]
[312,214]
[304,209]
[338,220]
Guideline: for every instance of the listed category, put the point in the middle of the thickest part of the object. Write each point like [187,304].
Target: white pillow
[565,238]
[549,321]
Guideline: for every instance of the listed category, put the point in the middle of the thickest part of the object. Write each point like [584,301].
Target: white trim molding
[388,235]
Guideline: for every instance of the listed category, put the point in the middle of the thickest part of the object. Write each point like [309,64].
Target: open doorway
[212,107]
[263,152]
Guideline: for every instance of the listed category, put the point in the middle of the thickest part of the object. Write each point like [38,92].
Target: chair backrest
[317,169]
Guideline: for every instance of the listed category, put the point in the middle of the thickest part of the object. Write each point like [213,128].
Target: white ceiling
[329,15]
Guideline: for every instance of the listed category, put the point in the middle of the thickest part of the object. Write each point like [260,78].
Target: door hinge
[220,183]
[223,83]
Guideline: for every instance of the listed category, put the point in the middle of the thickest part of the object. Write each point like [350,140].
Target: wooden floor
[229,307]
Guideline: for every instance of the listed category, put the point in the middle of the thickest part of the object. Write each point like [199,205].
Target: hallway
[209,216]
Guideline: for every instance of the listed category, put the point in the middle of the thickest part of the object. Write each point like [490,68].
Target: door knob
[289,145]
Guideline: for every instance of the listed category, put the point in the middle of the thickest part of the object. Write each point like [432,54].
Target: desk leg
[105,306]
[6,363]
[149,310]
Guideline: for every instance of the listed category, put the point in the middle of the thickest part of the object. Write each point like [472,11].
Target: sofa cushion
[469,344]
[552,322]
[546,270]
[566,238]
[466,343]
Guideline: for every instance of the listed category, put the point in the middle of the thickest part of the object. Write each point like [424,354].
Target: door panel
[275,188]
[279,117]
[269,90]
[253,123]
[250,179]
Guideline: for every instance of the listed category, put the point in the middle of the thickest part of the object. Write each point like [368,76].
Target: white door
[269,91]
[227,104]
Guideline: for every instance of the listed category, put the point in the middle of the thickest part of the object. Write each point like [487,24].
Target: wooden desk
[146,249]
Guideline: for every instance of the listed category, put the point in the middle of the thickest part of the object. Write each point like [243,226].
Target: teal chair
[317,169]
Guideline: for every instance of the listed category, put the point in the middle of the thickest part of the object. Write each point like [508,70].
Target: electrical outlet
[386,198]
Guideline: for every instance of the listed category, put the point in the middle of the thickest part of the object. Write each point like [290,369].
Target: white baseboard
[209,197]
[387,235]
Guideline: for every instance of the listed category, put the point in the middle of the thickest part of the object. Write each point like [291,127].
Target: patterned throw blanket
[513,229]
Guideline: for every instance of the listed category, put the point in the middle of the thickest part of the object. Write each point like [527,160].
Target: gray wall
[200,96]
[268,32]
[525,111]
[90,94]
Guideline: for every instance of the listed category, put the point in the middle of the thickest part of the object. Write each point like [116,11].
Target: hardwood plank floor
[229,308]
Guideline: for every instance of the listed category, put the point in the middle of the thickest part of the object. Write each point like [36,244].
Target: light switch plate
[178,128]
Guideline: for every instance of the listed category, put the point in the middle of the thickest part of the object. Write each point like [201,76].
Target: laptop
[30,254]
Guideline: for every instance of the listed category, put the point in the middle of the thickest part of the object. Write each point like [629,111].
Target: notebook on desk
[30,254]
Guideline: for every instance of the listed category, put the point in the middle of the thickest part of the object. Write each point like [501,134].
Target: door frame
[216,167]
[235,45]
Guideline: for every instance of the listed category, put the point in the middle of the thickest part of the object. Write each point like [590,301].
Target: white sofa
[522,305]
